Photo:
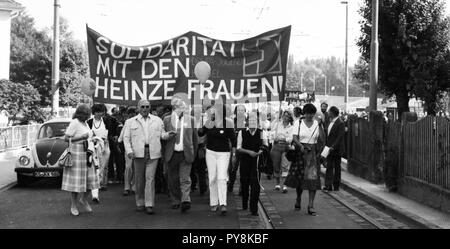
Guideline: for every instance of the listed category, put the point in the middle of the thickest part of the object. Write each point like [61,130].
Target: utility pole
[314,82]
[374,57]
[55,60]
[325,85]
[346,55]
[301,82]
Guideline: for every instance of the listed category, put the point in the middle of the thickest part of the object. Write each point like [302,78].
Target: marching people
[282,138]
[179,153]
[239,124]
[101,126]
[334,141]
[80,178]
[250,142]
[219,141]
[142,143]
[129,183]
[308,137]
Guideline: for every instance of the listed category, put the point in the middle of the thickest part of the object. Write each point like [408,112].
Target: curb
[8,186]
[386,206]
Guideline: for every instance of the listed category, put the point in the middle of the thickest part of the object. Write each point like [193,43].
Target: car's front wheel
[24,180]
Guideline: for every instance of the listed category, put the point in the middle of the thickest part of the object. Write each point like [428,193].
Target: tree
[21,99]
[31,60]
[414,38]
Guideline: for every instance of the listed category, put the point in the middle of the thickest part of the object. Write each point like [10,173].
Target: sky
[318,26]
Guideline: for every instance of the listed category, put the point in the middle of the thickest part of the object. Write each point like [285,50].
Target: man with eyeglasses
[142,143]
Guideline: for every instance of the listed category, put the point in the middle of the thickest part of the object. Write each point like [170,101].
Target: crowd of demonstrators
[173,149]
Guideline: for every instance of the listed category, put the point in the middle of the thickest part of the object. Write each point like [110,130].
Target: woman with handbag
[80,178]
[309,142]
[282,138]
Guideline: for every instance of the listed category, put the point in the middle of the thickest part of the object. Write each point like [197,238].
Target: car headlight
[24,161]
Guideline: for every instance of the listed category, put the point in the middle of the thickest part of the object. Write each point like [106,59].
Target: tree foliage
[315,70]
[21,99]
[414,56]
[31,60]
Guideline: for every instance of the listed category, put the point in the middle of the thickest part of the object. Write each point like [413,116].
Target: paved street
[45,206]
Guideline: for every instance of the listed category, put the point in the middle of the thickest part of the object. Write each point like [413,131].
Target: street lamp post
[325,85]
[55,60]
[346,54]
[374,57]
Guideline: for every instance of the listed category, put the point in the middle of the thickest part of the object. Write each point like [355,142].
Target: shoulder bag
[66,158]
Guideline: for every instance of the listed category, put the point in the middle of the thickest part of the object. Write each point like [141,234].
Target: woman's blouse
[307,135]
[280,132]
[218,139]
[77,128]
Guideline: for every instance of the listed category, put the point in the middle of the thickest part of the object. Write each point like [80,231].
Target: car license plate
[47,174]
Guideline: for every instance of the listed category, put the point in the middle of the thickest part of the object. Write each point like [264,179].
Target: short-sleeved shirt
[308,135]
[77,128]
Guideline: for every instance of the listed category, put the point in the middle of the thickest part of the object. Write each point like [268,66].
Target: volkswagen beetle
[41,159]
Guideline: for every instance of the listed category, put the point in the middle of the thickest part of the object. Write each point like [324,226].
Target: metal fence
[16,137]
[426,151]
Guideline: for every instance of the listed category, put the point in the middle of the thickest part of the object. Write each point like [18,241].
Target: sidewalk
[411,210]
[7,165]
[330,213]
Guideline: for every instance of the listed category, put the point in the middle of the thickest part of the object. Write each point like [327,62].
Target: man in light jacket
[142,143]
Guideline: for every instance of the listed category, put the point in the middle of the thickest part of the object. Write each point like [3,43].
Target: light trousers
[102,171]
[129,183]
[144,175]
[217,163]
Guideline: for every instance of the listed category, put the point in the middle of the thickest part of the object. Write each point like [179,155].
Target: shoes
[298,205]
[185,206]
[277,187]
[74,211]
[149,210]
[86,206]
[311,211]
[96,200]
[126,193]
[175,206]
[285,190]
[214,208]
[327,189]
[140,208]
[223,210]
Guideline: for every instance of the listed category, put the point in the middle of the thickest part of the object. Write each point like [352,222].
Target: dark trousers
[160,180]
[118,159]
[198,174]
[232,171]
[179,178]
[333,173]
[249,183]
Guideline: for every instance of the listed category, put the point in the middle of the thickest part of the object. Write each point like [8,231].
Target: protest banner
[248,69]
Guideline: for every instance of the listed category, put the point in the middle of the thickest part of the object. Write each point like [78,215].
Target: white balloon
[88,86]
[202,71]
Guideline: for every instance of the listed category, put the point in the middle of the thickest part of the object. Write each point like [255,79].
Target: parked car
[41,159]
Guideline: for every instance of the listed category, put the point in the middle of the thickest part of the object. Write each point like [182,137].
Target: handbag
[66,158]
[291,154]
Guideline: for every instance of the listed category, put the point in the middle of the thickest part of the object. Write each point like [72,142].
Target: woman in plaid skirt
[81,177]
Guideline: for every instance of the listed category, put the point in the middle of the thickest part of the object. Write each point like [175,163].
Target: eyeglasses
[145,106]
